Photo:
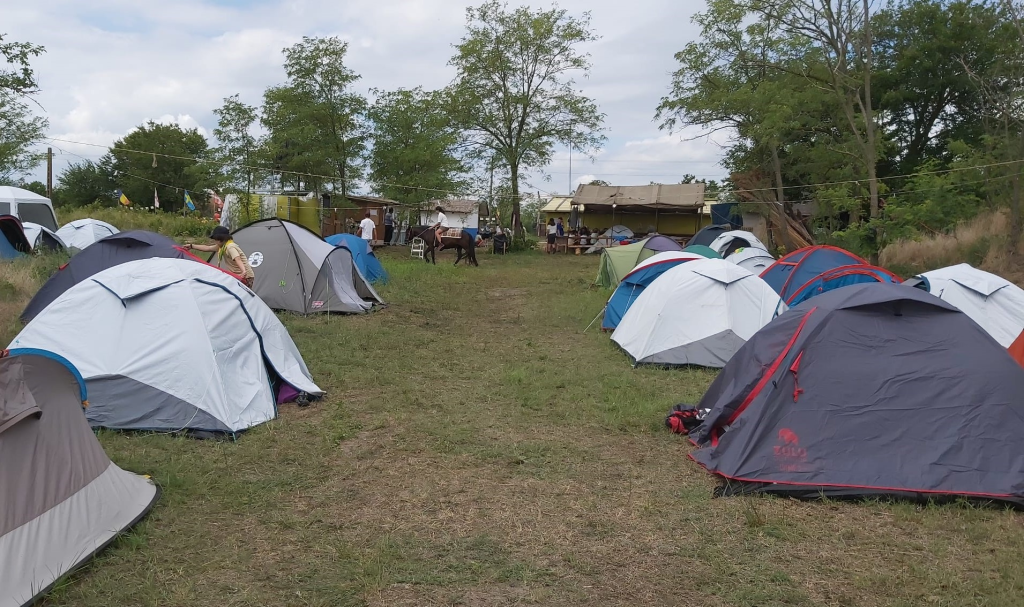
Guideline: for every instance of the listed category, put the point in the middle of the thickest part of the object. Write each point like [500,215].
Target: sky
[111,65]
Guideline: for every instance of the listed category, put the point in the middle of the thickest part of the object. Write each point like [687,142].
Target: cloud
[112,64]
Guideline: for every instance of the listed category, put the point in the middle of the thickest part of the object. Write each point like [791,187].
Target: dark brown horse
[464,244]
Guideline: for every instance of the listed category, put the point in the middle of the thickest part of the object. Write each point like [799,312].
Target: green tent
[700,249]
[617,261]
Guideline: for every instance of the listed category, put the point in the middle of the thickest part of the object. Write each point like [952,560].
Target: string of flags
[123,199]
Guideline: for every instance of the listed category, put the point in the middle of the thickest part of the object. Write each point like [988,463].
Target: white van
[27,206]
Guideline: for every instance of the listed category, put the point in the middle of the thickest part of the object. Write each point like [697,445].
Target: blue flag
[188,202]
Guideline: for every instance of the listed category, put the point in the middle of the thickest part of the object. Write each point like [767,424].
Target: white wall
[455,220]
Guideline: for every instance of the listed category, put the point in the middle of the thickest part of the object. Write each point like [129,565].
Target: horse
[464,244]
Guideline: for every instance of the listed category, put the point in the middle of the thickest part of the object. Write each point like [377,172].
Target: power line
[332,178]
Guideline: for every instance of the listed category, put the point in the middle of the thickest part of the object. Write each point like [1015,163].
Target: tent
[697,313]
[62,499]
[106,253]
[617,232]
[727,242]
[703,251]
[634,283]
[79,234]
[616,262]
[172,345]
[991,301]
[707,235]
[298,272]
[843,276]
[870,390]
[362,254]
[42,238]
[13,242]
[794,270]
[754,259]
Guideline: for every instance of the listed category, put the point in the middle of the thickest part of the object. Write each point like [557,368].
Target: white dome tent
[727,242]
[751,258]
[42,237]
[171,345]
[697,313]
[81,233]
[991,301]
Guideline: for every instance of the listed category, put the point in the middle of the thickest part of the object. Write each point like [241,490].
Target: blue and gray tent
[362,255]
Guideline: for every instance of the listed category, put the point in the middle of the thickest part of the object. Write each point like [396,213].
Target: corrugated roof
[656,196]
[558,204]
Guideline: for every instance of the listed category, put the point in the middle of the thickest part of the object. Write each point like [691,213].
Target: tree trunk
[780,196]
[517,221]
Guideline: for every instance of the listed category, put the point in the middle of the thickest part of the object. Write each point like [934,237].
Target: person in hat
[229,255]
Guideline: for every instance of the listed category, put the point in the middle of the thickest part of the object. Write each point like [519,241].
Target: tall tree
[414,147]
[514,94]
[20,129]
[82,183]
[165,157]
[316,121]
[238,150]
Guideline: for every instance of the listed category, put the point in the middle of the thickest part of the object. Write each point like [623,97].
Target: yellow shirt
[231,258]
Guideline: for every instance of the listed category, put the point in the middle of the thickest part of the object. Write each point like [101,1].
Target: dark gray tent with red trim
[872,389]
[105,253]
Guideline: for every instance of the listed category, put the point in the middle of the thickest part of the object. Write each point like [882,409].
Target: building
[463,214]
[676,209]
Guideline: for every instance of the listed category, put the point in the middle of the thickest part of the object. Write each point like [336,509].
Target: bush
[124,219]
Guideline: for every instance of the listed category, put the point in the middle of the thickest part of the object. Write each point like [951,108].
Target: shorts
[551,239]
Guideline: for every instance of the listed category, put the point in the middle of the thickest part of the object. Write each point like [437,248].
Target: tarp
[871,390]
[843,276]
[62,499]
[616,262]
[362,254]
[793,271]
[634,283]
[991,301]
[753,259]
[299,272]
[106,253]
[666,197]
[617,233]
[81,233]
[171,345]
[727,242]
[697,313]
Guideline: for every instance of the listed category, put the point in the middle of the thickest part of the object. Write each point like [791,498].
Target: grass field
[476,447]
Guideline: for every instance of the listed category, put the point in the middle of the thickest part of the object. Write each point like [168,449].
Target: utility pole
[49,173]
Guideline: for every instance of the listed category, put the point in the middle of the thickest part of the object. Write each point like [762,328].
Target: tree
[925,99]
[18,79]
[19,128]
[84,183]
[316,122]
[19,131]
[414,147]
[239,151]
[514,95]
[163,157]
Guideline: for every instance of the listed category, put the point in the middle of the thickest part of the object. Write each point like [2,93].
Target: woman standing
[229,255]
[552,233]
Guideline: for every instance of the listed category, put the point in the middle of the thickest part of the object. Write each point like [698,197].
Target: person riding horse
[440,227]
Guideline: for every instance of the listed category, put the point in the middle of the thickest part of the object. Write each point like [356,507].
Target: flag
[188,202]
[123,199]
[156,199]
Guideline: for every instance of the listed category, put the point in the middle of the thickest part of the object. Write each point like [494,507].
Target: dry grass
[476,448]
[982,242]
